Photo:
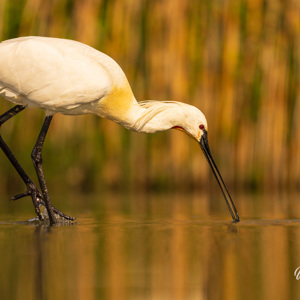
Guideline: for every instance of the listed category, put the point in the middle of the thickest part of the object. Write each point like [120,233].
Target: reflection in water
[157,248]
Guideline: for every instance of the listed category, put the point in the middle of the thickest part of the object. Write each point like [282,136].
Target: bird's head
[191,121]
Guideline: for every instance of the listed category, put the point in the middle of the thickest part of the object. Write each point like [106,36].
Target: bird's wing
[53,73]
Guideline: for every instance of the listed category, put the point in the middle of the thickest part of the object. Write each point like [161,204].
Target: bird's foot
[36,196]
[19,196]
[40,206]
[60,217]
[32,191]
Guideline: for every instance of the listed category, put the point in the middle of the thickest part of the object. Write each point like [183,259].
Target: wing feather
[52,73]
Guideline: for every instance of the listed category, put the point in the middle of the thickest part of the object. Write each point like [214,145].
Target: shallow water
[153,247]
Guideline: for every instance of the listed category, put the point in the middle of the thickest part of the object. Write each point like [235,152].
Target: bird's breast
[117,104]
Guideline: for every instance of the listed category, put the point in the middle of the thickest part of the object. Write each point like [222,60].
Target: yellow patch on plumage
[117,102]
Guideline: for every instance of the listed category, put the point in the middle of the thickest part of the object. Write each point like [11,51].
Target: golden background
[238,61]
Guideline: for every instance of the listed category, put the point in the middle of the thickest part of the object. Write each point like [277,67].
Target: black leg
[36,156]
[10,113]
[32,190]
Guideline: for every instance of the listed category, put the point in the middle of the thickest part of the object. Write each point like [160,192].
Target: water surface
[153,247]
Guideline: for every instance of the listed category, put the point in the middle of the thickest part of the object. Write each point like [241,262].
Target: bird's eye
[201,126]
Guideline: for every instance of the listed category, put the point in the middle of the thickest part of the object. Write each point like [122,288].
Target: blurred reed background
[238,61]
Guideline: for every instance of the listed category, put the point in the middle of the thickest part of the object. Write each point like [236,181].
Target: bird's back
[57,75]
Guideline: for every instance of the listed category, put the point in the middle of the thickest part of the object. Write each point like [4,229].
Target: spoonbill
[71,78]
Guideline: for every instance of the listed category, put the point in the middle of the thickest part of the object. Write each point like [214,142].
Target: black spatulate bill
[205,148]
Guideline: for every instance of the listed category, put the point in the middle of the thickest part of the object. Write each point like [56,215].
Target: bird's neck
[149,116]
[146,116]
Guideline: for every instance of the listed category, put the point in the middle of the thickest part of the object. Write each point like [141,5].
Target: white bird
[71,78]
